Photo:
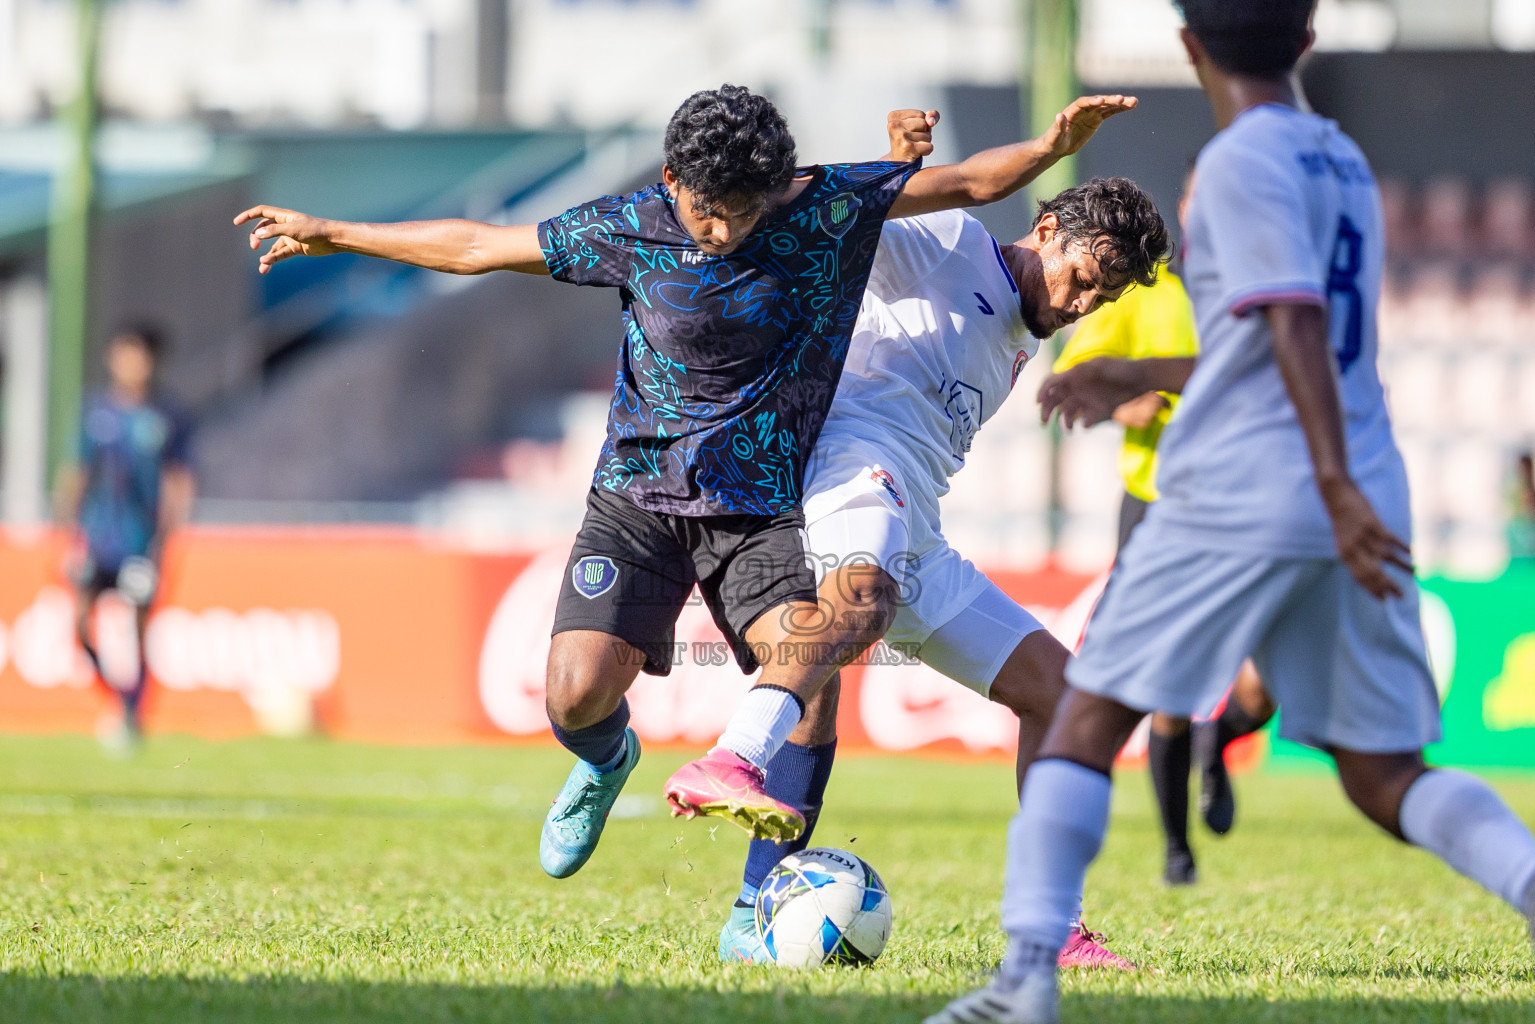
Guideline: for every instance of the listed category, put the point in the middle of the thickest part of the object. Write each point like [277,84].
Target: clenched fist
[911,133]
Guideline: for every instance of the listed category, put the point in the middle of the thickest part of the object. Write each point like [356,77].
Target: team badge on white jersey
[938,346]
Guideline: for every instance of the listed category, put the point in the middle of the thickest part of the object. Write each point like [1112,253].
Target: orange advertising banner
[382,634]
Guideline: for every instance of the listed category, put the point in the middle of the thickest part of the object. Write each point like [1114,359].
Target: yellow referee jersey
[1146,323]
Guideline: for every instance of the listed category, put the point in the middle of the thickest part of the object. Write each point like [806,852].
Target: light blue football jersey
[1285,209]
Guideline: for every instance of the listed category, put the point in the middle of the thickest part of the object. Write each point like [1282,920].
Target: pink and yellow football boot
[722,785]
[1085,949]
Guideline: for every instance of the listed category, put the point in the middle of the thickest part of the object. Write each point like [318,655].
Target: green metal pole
[69,248]
[821,13]
[1052,85]
[1052,81]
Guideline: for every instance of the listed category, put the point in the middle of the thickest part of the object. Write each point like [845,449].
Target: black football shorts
[632,570]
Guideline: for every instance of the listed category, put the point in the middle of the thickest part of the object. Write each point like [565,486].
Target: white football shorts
[1175,623]
[859,507]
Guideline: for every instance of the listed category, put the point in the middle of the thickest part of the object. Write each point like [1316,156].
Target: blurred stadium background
[391,463]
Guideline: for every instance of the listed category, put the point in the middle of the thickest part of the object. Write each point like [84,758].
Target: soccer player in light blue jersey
[1282,528]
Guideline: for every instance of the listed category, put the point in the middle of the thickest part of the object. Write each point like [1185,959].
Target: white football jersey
[938,345]
[1284,209]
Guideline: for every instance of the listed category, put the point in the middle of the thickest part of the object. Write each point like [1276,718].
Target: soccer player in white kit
[1279,531]
[948,320]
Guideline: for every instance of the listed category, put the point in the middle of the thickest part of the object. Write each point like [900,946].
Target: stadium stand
[1457,323]
[1458,357]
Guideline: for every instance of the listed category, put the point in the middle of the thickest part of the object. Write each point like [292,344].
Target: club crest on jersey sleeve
[1019,361]
[594,576]
[885,480]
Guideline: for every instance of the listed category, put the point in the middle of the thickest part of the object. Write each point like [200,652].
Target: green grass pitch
[304,881]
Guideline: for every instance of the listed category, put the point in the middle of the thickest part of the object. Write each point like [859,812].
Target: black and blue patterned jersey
[123,451]
[729,363]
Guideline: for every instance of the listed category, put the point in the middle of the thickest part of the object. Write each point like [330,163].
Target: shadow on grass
[88,999]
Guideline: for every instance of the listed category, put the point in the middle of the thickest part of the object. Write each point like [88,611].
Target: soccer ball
[823,906]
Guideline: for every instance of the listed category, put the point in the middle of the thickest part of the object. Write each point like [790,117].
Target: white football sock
[762,724]
[1056,834]
[1461,820]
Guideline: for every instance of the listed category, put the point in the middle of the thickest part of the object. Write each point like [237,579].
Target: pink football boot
[1085,949]
[722,785]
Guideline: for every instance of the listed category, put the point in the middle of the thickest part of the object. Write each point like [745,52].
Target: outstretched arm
[995,174]
[1091,392]
[451,246]
[1306,364]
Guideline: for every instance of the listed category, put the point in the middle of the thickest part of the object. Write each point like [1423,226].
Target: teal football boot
[739,942]
[575,821]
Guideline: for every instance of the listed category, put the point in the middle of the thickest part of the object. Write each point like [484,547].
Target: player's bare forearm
[987,177]
[1305,361]
[1165,373]
[995,174]
[449,246]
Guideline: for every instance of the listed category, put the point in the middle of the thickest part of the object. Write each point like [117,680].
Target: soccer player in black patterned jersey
[740,278]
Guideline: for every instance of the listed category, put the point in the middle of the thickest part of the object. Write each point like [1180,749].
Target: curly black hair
[1253,38]
[1118,223]
[730,141]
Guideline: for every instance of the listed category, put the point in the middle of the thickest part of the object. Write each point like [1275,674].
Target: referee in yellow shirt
[1158,323]
[1146,323]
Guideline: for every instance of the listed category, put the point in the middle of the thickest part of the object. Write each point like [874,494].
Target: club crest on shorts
[594,576]
[838,214]
[887,481]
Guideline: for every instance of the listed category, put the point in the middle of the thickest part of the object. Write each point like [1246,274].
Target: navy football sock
[600,745]
[797,775]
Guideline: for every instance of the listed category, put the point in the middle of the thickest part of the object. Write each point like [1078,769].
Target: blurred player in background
[740,277]
[1268,540]
[1158,323]
[1521,512]
[949,319]
[132,488]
